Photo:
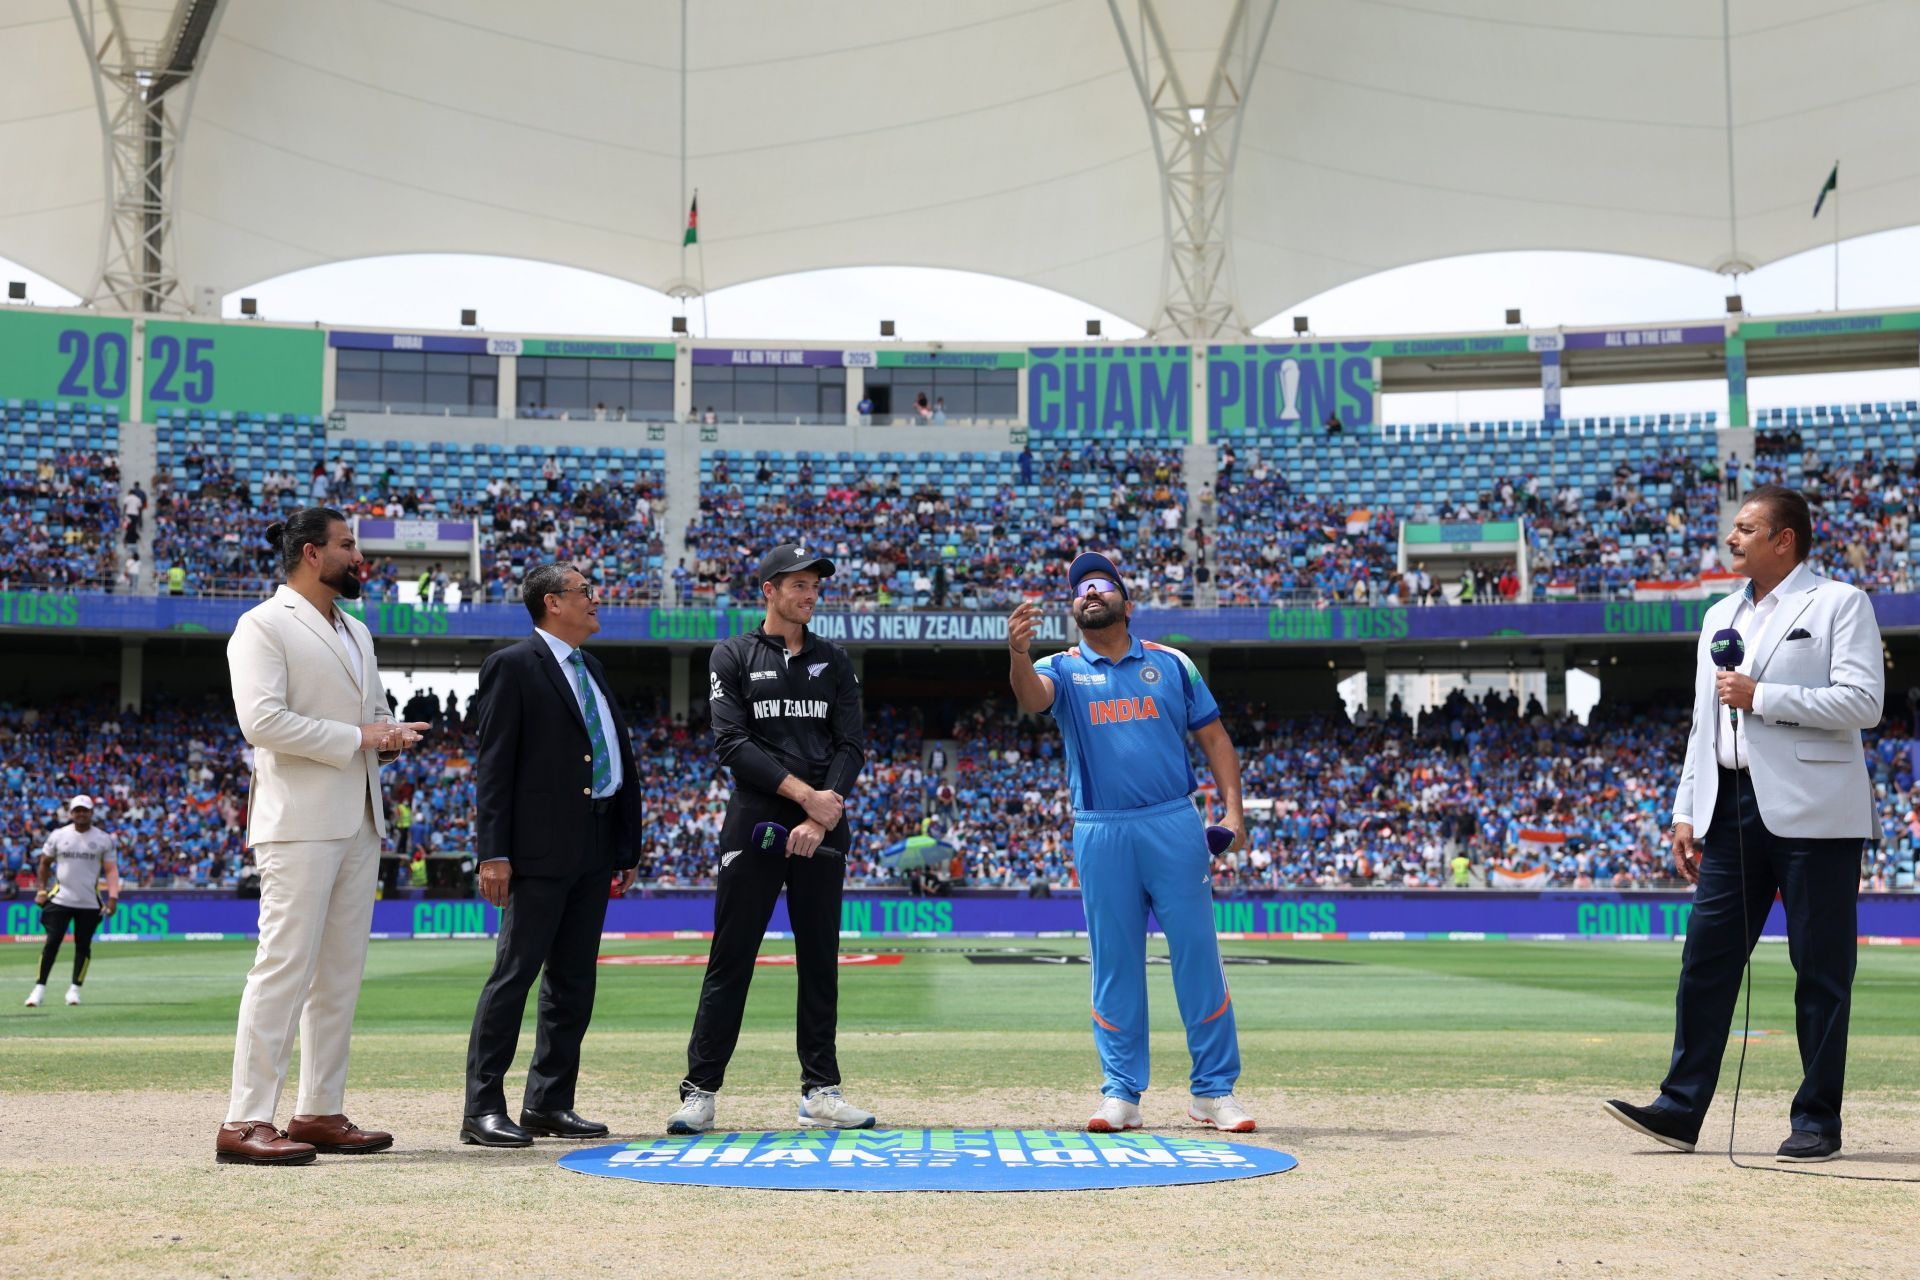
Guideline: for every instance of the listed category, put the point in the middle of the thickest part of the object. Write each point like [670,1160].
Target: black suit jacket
[533,781]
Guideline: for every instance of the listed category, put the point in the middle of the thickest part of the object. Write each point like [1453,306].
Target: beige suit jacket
[300,706]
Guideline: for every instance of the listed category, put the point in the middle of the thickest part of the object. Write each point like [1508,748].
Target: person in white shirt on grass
[71,865]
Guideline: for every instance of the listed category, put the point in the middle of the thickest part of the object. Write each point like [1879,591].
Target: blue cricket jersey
[1126,723]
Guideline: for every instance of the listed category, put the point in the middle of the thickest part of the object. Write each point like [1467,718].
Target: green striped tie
[602,763]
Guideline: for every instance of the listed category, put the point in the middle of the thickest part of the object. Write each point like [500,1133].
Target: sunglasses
[1102,585]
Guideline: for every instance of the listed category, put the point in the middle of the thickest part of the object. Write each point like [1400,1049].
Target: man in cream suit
[1773,798]
[309,698]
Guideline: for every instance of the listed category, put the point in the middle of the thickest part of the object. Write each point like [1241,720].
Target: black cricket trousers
[747,886]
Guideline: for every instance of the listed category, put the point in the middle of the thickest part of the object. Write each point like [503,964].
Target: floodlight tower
[143,117]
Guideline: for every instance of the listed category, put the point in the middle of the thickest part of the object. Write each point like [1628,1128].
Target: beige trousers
[316,910]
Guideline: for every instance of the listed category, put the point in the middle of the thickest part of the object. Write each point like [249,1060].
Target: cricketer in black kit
[785,706]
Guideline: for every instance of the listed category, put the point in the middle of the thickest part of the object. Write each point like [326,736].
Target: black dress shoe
[1657,1123]
[559,1124]
[493,1130]
[1806,1147]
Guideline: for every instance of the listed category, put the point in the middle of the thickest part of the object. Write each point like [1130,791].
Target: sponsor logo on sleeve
[714,691]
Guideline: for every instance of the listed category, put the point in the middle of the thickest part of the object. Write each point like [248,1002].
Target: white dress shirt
[354,661]
[1754,621]
[562,653]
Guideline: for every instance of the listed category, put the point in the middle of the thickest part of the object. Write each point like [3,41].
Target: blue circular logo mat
[929,1160]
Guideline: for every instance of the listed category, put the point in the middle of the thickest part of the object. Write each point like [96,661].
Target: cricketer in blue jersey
[1125,708]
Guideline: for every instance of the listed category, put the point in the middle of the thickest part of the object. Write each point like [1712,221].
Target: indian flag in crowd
[1560,590]
[1536,846]
[1708,586]
[1686,589]
[1517,878]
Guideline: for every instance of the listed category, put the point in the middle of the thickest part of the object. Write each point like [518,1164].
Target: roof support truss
[142,120]
[1196,137]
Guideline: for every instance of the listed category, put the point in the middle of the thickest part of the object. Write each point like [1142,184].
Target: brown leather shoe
[337,1135]
[258,1142]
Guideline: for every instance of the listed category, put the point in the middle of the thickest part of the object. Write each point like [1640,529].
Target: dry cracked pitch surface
[1460,1183]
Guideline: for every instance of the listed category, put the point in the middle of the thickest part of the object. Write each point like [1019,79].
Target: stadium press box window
[969,393]
[770,393]
[552,385]
[416,382]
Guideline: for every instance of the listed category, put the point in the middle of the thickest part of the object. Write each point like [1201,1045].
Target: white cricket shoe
[1221,1113]
[826,1109]
[35,996]
[1115,1116]
[695,1114]
[73,995]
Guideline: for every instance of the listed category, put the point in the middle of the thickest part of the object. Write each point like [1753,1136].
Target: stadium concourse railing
[230,588]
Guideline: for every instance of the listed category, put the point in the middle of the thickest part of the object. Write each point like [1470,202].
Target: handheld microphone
[770,837]
[1728,651]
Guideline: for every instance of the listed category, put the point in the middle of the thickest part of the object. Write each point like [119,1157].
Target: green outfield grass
[1371,1016]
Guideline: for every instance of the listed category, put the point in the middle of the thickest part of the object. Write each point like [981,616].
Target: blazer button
[586,791]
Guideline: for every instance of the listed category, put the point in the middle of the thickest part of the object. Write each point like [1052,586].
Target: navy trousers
[1818,882]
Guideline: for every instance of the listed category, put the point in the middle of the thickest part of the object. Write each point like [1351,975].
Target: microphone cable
[1746,1029]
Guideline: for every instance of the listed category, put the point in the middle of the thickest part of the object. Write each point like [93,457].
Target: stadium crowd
[1862,509]
[1384,801]
[930,545]
[210,529]
[59,521]
[910,535]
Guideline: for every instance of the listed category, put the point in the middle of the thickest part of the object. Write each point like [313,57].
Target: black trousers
[1818,882]
[551,923]
[748,885]
[56,918]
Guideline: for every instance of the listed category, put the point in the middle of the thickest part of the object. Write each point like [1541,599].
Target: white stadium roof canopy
[1010,137]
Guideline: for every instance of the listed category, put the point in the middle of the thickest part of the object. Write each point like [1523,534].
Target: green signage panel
[1830,326]
[1111,390]
[1275,386]
[952,360]
[236,368]
[65,355]
[597,349]
[1481,345]
[1737,410]
[1427,534]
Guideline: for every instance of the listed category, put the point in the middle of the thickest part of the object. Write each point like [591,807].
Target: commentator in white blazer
[1774,799]
[307,693]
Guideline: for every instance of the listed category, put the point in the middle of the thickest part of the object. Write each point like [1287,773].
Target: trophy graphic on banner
[1290,391]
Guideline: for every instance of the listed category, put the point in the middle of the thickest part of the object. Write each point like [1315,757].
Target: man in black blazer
[558,815]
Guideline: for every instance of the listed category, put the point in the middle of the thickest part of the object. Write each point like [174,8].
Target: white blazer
[1816,693]
[301,708]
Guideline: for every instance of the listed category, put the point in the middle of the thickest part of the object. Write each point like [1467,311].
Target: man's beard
[345,583]
[1106,619]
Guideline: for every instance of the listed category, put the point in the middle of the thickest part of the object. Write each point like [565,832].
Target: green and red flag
[1832,185]
[693,223]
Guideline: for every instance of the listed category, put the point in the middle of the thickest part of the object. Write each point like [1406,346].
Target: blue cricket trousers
[1133,860]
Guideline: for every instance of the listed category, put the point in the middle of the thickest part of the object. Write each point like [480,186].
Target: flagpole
[683,130]
[700,251]
[1836,239]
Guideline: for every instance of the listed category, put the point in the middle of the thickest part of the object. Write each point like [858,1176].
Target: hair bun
[275,532]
